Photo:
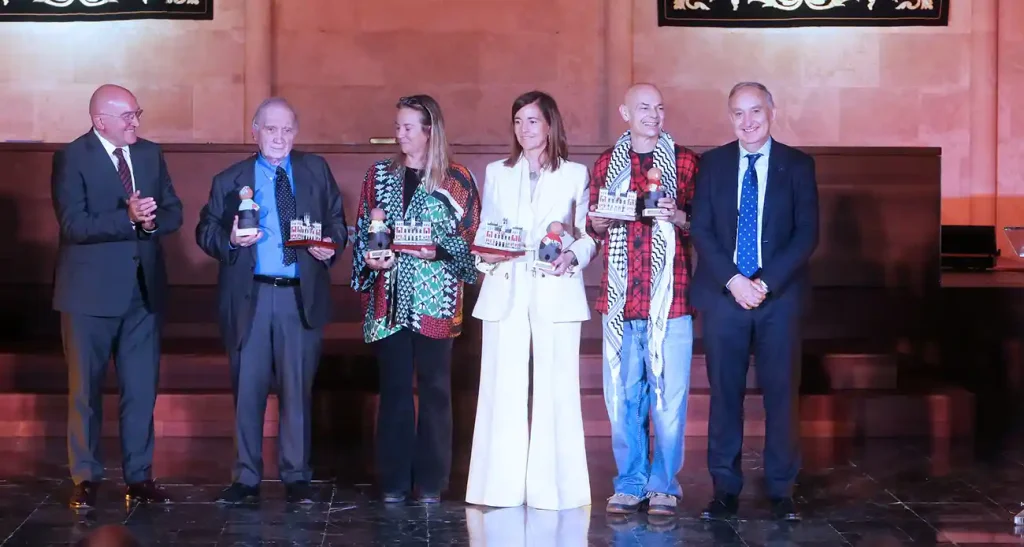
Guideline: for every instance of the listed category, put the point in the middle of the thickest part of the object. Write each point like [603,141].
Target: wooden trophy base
[648,213]
[247,232]
[381,254]
[480,249]
[613,215]
[311,243]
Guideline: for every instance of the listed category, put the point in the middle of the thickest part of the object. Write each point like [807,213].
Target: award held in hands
[413,236]
[654,193]
[550,247]
[248,214]
[378,241]
[502,240]
[307,234]
[615,206]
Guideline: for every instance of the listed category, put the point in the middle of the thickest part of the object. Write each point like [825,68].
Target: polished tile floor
[878,493]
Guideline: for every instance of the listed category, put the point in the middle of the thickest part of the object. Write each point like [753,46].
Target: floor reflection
[877,493]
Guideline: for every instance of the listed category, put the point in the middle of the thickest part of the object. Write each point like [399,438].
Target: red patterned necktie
[123,171]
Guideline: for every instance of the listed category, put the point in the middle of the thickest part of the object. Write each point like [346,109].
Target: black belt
[277,281]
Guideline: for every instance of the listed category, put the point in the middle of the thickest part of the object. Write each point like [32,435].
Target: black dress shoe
[722,507]
[298,492]
[784,509]
[84,495]
[394,497]
[146,492]
[430,497]
[239,493]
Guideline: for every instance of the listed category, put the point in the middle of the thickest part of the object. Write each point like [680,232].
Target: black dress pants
[410,450]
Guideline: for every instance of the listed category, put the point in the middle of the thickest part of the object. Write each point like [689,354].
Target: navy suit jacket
[316,194]
[789,232]
[100,251]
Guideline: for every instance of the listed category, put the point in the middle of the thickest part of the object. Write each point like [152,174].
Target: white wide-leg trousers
[547,467]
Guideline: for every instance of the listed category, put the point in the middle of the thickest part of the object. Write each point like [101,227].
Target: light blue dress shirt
[269,249]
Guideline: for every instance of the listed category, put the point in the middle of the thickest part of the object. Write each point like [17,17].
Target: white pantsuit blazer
[560,195]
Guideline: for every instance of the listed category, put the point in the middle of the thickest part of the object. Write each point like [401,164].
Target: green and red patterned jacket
[425,296]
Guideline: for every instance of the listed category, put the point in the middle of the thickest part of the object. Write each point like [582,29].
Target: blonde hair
[438,154]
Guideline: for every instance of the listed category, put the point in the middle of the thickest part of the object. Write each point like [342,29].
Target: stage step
[350,365]
[940,413]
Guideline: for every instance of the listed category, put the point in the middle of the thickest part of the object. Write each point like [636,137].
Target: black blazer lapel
[304,187]
[775,186]
[101,164]
[145,170]
[730,193]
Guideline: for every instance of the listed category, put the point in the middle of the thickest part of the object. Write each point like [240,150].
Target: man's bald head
[115,114]
[643,110]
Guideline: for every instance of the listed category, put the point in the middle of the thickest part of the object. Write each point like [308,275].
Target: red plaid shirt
[638,238]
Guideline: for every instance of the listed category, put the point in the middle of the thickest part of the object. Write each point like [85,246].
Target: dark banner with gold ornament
[803,13]
[103,10]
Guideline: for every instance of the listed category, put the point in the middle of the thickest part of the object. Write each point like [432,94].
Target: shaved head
[644,112]
[115,114]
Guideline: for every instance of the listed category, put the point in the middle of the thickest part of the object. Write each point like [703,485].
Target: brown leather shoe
[84,495]
[146,492]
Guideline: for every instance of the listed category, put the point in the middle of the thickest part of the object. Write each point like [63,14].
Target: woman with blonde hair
[527,301]
[412,301]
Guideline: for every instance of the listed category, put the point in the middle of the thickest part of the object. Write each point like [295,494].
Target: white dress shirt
[110,154]
[761,168]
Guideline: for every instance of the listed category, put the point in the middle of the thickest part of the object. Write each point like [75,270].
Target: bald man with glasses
[114,203]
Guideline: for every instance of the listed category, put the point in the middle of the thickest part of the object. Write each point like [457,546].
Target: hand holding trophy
[245,231]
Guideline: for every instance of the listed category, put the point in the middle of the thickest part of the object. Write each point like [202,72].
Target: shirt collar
[108,146]
[765,149]
[285,163]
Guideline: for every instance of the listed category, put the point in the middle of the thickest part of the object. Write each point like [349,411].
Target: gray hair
[756,85]
[267,103]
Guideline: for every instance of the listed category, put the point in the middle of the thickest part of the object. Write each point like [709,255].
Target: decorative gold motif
[792,5]
[682,4]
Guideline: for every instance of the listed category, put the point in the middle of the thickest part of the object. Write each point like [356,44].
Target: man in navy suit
[755,226]
[114,203]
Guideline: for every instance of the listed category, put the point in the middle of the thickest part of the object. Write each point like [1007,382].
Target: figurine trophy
[413,236]
[248,214]
[304,233]
[654,193]
[502,240]
[615,206]
[379,240]
[550,247]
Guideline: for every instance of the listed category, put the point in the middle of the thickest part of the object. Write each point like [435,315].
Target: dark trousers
[133,340]
[772,331]
[279,350]
[408,452]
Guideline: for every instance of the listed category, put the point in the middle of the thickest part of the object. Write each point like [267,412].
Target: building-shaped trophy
[378,241]
[654,193]
[413,235]
[615,206]
[550,247]
[501,239]
[248,214]
[306,233]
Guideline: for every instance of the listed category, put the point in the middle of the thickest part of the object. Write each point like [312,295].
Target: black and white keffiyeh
[663,248]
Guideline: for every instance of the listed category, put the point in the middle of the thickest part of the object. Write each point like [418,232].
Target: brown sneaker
[662,505]
[623,504]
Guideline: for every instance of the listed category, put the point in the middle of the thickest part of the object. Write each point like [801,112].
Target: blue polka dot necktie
[746,236]
[285,211]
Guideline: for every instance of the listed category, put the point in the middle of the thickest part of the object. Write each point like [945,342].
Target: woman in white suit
[545,466]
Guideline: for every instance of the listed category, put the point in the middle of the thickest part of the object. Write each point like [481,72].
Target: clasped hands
[320,253]
[388,263]
[142,211]
[749,293]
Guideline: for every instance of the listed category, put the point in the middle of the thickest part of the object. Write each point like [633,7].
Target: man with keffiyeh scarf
[648,327]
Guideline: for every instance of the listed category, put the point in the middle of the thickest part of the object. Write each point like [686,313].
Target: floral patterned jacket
[425,296]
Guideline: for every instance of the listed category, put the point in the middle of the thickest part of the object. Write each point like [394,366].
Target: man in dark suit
[274,299]
[114,201]
[755,226]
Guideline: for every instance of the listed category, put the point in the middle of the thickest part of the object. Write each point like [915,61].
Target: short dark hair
[557,149]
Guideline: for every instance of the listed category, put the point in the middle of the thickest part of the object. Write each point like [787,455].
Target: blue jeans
[638,476]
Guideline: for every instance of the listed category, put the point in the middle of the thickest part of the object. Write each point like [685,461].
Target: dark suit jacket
[316,193]
[789,232]
[100,251]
